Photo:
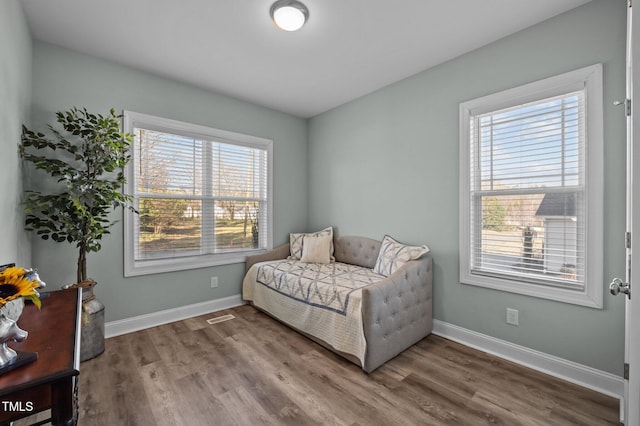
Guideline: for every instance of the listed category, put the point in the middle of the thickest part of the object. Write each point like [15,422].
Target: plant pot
[92,321]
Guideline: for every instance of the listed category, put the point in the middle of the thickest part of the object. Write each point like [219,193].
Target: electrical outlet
[512,316]
[214,282]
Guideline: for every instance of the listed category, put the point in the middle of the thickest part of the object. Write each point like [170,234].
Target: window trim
[588,79]
[134,267]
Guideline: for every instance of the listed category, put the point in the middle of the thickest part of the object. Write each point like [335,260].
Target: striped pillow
[296,242]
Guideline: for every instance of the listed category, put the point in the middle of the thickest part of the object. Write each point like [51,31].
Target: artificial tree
[87,161]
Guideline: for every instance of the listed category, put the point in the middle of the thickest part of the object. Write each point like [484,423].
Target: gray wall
[62,79]
[387,163]
[15,93]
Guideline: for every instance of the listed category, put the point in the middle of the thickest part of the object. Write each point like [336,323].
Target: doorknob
[617,286]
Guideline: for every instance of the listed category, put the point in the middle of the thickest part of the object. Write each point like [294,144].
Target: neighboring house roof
[558,204]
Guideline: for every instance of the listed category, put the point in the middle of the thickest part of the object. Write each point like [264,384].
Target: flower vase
[9,330]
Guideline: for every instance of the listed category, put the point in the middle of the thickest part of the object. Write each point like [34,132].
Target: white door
[632,305]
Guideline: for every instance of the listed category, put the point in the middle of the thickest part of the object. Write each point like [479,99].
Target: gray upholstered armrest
[278,253]
[397,312]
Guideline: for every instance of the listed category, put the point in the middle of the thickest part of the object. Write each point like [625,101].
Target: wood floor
[252,370]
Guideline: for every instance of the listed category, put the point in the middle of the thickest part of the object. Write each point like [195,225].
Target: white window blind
[202,196]
[531,193]
[527,179]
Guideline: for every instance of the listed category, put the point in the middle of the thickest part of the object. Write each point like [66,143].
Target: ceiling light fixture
[289,15]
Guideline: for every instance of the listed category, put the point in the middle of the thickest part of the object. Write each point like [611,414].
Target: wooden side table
[50,382]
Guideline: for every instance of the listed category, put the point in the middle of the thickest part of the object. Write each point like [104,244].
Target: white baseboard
[129,325]
[600,381]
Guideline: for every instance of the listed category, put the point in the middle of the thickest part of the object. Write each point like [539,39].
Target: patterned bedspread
[321,300]
[326,286]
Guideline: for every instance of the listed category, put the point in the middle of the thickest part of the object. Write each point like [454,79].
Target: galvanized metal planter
[92,333]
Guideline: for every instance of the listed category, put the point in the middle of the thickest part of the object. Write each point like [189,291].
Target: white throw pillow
[394,254]
[295,243]
[316,249]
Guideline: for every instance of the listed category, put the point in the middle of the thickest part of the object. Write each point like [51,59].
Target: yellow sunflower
[17,282]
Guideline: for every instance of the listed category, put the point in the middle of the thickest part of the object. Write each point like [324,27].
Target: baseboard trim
[600,381]
[141,322]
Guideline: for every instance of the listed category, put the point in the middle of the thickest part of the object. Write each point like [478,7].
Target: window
[531,189]
[203,196]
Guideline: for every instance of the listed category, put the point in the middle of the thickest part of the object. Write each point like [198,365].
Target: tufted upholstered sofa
[396,311]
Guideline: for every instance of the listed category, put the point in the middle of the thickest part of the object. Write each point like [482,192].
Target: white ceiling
[347,49]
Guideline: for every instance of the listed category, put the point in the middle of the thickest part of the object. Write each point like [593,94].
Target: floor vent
[220,319]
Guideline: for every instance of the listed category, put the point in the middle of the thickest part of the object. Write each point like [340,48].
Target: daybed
[369,302]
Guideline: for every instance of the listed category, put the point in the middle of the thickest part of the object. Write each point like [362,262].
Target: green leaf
[82,153]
